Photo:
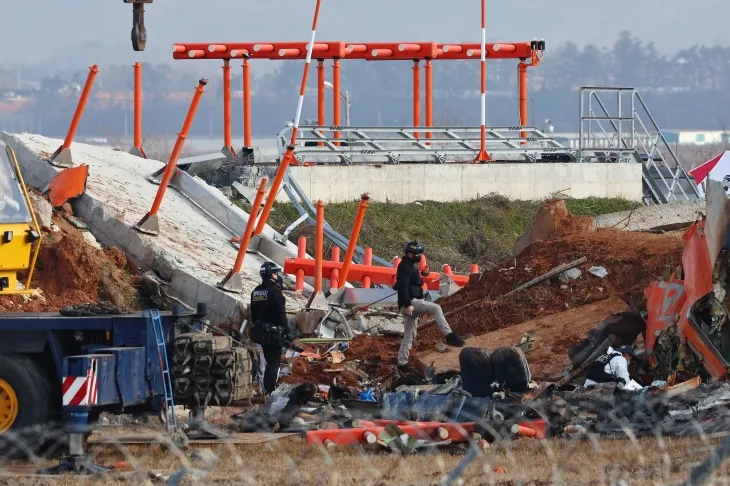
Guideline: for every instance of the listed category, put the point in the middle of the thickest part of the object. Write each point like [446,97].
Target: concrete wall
[459,182]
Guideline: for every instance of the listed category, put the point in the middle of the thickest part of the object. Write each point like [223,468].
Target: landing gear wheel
[25,405]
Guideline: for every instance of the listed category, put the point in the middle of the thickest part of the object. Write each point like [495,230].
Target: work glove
[296,347]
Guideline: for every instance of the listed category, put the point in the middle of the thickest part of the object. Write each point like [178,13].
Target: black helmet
[413,247]
[268,269]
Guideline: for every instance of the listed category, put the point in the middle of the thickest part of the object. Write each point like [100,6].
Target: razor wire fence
[622,450]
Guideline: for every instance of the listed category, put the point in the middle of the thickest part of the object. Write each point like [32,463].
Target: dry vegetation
[525,461]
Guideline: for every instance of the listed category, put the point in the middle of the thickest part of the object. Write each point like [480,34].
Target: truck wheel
[25,405]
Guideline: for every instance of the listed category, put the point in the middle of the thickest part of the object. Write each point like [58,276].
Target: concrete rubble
[516,379]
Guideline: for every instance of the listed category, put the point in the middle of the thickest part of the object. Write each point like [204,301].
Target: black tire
[476,371]
[510,368]
[31,386]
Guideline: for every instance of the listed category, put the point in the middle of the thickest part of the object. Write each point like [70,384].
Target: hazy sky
[82,32]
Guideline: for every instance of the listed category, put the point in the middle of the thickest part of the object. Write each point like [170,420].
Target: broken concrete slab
[193,251]
[666,217]
[552,336]
[43,211]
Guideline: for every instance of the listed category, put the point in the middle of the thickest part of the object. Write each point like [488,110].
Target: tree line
[687,89]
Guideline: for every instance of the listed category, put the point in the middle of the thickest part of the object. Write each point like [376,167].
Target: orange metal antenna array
[289,154]
[483,156]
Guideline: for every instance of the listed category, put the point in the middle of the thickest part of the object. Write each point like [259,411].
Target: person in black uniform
[270,325]
[409,284]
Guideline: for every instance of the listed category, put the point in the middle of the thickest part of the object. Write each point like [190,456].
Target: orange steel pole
[318,247]
[233,282]
[416,96]
[145,225]
[248,232]
[301,253]
[137,146]
[320,95]
[289,154]
[93,70]
[483,156]
[246,103]
[335,272]
[227,145]
[522,78]
[368,260]
[429,97]
[353,238]
[336,96]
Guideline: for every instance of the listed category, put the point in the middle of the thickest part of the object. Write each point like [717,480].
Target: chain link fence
[592,440]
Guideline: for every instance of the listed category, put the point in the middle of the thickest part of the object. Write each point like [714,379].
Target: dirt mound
[553,221]
[632,259]
[69,271]
[374,356]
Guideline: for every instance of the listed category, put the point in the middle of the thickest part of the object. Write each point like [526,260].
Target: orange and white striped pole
[483,156]
[289,154]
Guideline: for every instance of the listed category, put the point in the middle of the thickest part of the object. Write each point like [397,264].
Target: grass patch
[479,231]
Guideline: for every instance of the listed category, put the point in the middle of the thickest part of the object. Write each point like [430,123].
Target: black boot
[453,340]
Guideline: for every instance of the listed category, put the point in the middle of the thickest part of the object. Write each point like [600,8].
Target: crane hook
[139,33]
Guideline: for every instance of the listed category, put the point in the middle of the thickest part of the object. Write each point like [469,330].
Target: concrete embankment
[192,252]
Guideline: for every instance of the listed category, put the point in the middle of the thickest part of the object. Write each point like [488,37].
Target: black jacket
[408,282]
[268,306]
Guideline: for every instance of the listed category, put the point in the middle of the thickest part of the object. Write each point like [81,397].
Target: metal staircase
[628,133]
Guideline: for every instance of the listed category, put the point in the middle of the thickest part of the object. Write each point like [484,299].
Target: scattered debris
[599,272]
[568,275]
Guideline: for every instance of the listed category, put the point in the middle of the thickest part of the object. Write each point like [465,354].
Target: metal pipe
[246,103]
[336,96]
[248,232]
[227,104]
[318,247]
[362,207]
[301,253]
[321,120]
[335,272]
[429,97]
[368,260]
[93,70]
[289,154]
[522,79]
[416,96]
[177,149]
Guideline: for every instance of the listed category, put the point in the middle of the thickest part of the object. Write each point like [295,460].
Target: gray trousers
[410,326]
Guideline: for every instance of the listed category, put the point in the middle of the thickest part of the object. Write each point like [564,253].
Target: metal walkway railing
[629,133]
[377,145]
